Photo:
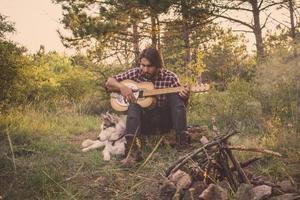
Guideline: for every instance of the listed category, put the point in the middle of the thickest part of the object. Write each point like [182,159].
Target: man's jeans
[159,119]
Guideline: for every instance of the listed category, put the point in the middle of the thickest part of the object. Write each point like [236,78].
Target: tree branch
[270,5]
[235,20]
[260,4]
[279,22]
[264,25]
[243,31]
[232,8]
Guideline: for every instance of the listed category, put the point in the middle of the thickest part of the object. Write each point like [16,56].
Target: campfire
[213,172]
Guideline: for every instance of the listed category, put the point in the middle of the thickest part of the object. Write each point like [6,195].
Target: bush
[50,79]
[279,90]
[237,104]
[12,61]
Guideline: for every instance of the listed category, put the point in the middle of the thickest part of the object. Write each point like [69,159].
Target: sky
[36,23]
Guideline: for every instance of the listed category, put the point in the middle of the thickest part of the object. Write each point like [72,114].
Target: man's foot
[182,141]
[133,152]
[128,161]
[134,157]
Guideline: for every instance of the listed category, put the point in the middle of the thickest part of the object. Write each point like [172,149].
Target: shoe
[182,141]
[133,151]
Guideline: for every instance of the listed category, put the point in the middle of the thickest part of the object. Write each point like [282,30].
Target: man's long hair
[153,56]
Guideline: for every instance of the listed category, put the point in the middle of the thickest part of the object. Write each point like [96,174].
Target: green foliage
[11,60]
[52,81]
[237,104]
[227,59]
[11,63]
[281,43]
[279,90]
[51,78]
[224,57]
[103,31]
[5,26]
[274,94]
[173,48]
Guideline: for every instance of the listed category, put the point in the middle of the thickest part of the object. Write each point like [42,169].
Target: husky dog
[111,137]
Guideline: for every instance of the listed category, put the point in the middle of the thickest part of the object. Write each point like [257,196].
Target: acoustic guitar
[145,94]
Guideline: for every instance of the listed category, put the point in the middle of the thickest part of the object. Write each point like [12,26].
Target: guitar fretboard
[154,92]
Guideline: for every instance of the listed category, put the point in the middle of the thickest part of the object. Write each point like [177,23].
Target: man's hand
[185,93]
[127,93]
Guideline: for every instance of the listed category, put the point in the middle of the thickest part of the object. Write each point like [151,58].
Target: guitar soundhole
[120,99]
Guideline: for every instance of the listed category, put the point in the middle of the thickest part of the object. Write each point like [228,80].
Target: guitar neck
[154,92]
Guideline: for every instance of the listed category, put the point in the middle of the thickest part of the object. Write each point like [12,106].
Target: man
[170,111]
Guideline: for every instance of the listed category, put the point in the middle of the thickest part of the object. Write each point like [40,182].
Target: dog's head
[111,128]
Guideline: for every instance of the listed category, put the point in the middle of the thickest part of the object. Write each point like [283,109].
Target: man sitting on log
[170,110]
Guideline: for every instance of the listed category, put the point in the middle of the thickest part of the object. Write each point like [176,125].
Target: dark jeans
[159,119]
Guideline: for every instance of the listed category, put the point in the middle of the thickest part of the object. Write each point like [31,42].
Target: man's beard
[148,75]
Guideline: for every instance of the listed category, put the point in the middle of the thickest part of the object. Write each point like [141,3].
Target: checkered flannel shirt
[164,79]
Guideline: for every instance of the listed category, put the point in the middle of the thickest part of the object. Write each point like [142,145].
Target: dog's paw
[106,156]
[85,149]
[87,143]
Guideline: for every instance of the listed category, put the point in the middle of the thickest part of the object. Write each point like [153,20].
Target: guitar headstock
[200,88]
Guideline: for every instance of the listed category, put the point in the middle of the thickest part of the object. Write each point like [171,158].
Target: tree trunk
[186,33]
[158,33]
[186,39]
[136,43]
[293,28]
[153,30]
[158,39]
[257,31]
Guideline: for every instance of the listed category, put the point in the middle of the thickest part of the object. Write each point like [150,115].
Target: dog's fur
[112,129]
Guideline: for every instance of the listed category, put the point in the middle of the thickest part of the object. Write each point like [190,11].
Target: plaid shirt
[164,79]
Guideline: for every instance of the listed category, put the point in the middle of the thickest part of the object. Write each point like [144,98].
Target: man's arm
[115,86]
[185,93]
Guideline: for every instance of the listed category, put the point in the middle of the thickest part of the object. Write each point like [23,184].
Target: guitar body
[119,104]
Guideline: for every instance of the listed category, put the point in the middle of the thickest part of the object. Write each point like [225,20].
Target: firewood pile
[212,172]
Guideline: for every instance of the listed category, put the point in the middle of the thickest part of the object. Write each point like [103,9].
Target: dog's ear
[110,116]
[106,119]
[115,118]
[104,116]
[110,119]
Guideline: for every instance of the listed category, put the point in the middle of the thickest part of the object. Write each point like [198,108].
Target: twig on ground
[151,154]
[259,150]
[12,150]
[61,187]
[76,174]
[143,177]
[131,146]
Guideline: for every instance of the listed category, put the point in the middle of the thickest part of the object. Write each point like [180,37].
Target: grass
[44,151]
[50,164]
